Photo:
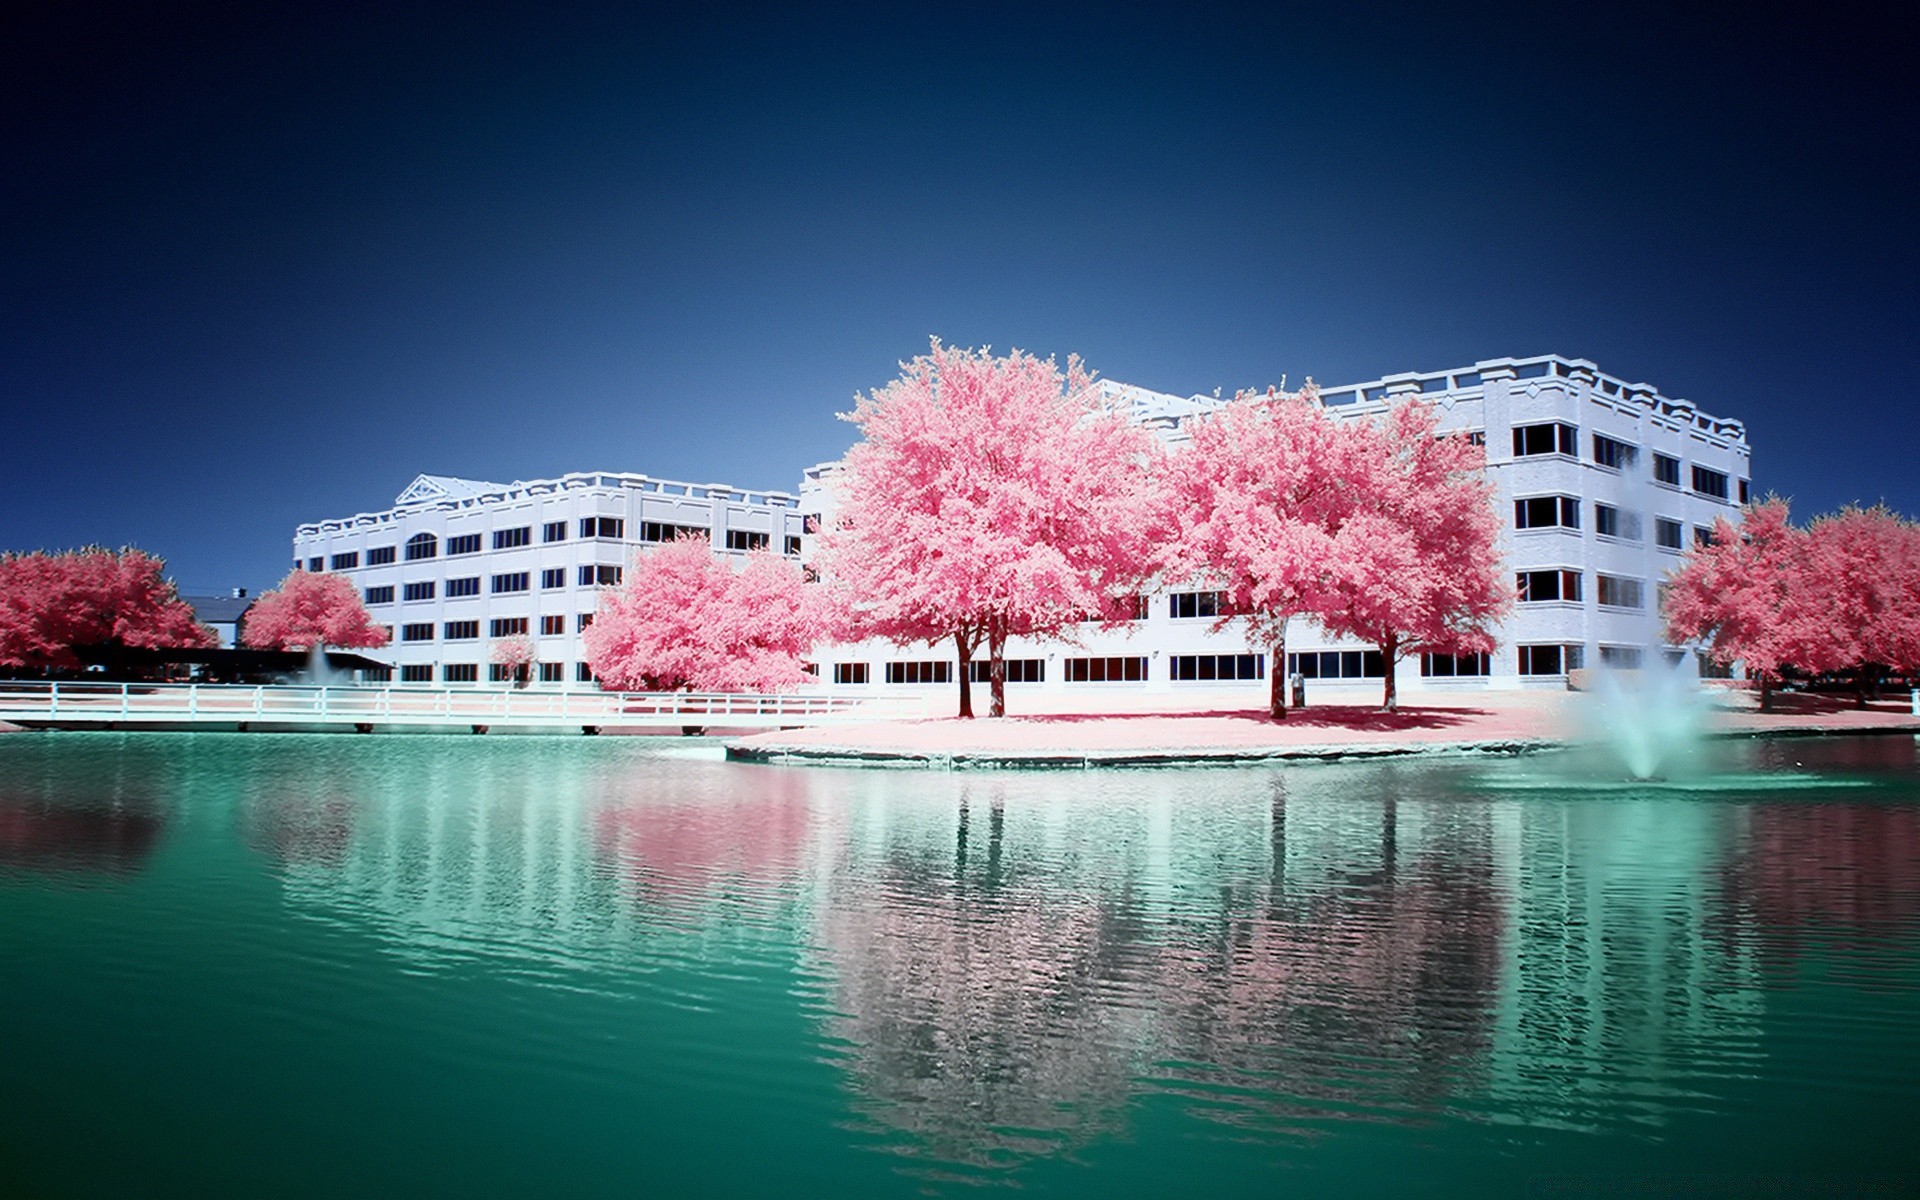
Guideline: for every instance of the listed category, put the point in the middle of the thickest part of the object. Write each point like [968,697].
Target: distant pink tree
[1416,567]
[1753,591]
[685,618]
[990,498]
[1259,498]
[52,604]
[1866,571]
[308,610]
[515,653]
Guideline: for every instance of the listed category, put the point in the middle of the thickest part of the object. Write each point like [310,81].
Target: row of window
[1337,664]
[548,672]
[551,625]
[1563,512]
[1557,437]
[1615,591]
[507,584]
[422,546]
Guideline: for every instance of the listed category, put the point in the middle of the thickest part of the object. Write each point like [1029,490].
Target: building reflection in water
[84,816]
[1003,966]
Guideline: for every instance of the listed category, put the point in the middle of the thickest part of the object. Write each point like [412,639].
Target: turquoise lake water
[260,965]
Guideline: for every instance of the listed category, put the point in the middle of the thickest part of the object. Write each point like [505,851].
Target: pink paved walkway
[1510,721]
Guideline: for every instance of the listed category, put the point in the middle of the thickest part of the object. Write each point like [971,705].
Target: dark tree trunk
[1389,658]
[1766,692]
[965,646]
[1277,676]
[997,670]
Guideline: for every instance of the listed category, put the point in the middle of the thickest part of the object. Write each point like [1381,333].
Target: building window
[1477,437]
[1667,533]
[416,673]
[460,673]
[376,674]
[512,539]
[1550,437]
[1337,664]
[1624,658]
[553,531]
[1611,452]
[346,562]
[1666,469]
[1131,669]
[581,621]
[418,591]
[746,539]
[380,595]
[512,581]
[1743,491]
[1454,666]
[422,632]
[507,627]
[1609,521]
[460,631]
[661,531]
[1709,483]
[422,545]
[1218,666]
[380,556]
[553,577]
[469,586]
[583,672]
[850,672]
[1019,670]
[1535,586]
[600,575]
[466,543]
[793,546]
[317,563]
[919,672]
[1195,604]
[602,527]
[1618,592]
[553,625]
[1550,660]
[1546,512]
[551,673]
[1702,535]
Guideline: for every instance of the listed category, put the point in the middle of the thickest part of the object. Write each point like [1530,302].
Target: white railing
[37,703]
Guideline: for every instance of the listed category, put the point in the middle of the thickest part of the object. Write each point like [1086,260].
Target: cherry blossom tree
[990,498]
[1416,565]
[685,618]
[311,610]
[1259,497]
[51,604]
[515,653]
[1863,582]
[1751,591]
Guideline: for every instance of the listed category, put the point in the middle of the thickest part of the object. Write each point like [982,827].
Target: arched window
[422,545]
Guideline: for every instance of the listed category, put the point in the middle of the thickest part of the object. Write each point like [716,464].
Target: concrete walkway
[1509,723]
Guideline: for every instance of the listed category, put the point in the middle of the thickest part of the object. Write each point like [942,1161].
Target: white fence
[134,705]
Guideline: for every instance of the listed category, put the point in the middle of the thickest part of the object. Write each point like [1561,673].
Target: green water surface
[262,965]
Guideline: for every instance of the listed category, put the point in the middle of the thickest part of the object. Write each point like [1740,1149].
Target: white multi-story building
[457,564]
[1602,485]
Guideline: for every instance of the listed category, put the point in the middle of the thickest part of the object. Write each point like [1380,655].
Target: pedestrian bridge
[37,705]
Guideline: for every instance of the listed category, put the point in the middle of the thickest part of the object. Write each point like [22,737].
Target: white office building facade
[1601,484]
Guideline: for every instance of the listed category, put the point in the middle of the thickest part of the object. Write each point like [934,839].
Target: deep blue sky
[259,267]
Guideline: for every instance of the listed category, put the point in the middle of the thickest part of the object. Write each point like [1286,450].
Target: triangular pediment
[433,489]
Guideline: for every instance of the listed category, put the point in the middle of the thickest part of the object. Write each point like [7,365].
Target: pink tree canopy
[1259,497]
[1416,566]
[685,618]
[1750,591]
[52,603]
[991,497]
[514,652]
[311,609]
[1863,584]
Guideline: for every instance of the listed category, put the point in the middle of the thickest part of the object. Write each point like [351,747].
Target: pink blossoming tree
[51,604]
[990,498]
[1864,586]
[1416,566]
[312,610]
[1260,496]
[515,653]
[1749,591]
[685,618]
